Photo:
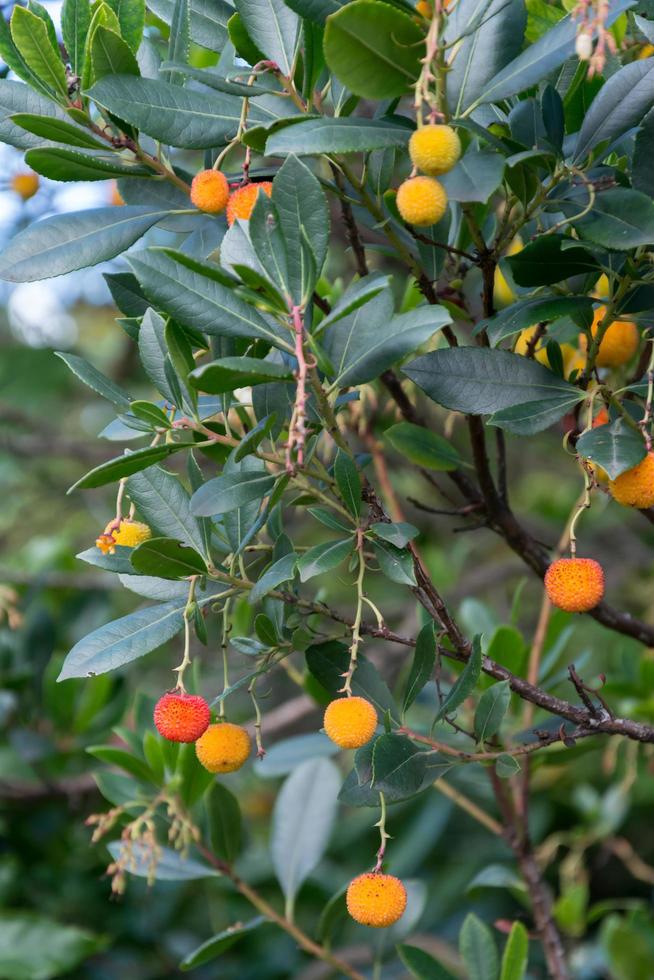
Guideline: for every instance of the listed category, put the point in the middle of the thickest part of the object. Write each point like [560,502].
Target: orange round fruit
[575,584]
[619,343]
[210,191]
[376,899]
[350,722]
[635,487]
[181,717]
[421,201]
[25,184]
[223,747]
[242,200]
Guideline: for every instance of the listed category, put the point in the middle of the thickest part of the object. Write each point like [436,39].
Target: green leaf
[221,942]
[198,301]
[75,240]
[620,105]
[549,259]
[279,572]
[480,380]
[348,482]
[478,949]
[96,380]
[126,465]
[114,756]
[171,865]
[464,684]
[616,447]
[621,218]
[531,417]
[329,661]
[230,373]
[642,173]
[33,947]
[477,174]
[118,562]
[110,55]
[269,247]
[397,565]
[273,28]
[423,447]
[75,23]
[539,60]
[208,20]
[487,37]
[302,822]
[57,130]
[251,441]
[421,965]
[153,352]
[373,50]
[30,35]
[118,643]
[366,342]
[310,137]
[493,705]
[506,766]
[164,504]
[230,491]
[304,222]
[56,163]
[422,667]
[398,767]
[224,822]
[178,116]
[516,952]
[180,38]
[167,558]
[398,534]
[527,312]
[131,17]
[323,557]
[18,98]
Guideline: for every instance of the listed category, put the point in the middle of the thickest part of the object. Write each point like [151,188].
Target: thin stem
[189,612]
[469,806]
[356,626]
[381,823]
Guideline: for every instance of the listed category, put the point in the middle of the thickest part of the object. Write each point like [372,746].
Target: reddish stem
[297,427]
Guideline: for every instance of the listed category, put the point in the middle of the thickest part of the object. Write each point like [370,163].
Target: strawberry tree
[488,168]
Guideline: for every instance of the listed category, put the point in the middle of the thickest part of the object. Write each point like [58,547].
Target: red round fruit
[181,717]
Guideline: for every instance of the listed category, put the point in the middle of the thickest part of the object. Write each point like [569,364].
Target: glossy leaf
[224,822]
[421,964]
[95,380]
[57,130]
[621,218]
[395,563]
[464,684]
[230,491]
[643,174]
[126,465]
[492,707]
[616,447]
[525,313]
[230,373]
[422,666]
[323,557]
[30,35]
[476,176]
[167,558]
[549,259]
[423,447]
[516,952]
[18,98]
[207,20]
[57,163]
[343,135]
[220,943]
[273,27]
[279,572]
[478,949]
[110,55]
[398,533]
[328,662]
[348,482]
[621,104]
[75,22]
[164,504]
[131,17]
[35,947]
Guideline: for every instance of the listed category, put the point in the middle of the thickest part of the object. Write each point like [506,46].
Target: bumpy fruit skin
[210,191]
[575,584]
[223,747]
[635,488]
[350,722]
[131,534]
[241,201]
[434,149]
[421,201]
[181,717]
[619,343]
[376,900]
[25,185]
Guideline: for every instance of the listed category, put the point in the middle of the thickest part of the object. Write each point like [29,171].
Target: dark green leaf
[163,503]
[464,684]
[222,941]
[273,28]
[180,37]
[279,572]
[304,222]
[621,218]
[531,417]
[643,173]
[118,562]
[422,667]
[311,137]
[348,482]
[527,312]
[421,965]
[57,130]
[95,380]
[230,491]
[167,558]
[74,240]
[477,174]
[126,465]
[224,822]
[329,661]
[34,947]
[208,20]
[18,98]
[549,259]
[114,756]
[616,447]
[56,163]
[398,533]
[373,50]
[131,17]
[230,373]
[323,557]
[423,447]
[397,565]
[478,949]
[398,766]
[251,441]
[110,55]
[621,104]
[493,705]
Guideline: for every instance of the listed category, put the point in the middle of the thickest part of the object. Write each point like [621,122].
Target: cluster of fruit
[374,898]
[434,149]
[210,192]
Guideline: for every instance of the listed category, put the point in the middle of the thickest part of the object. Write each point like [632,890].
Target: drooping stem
[189,612]
[356,626]
[381,823]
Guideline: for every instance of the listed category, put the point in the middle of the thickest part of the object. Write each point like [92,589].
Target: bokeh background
[591,816]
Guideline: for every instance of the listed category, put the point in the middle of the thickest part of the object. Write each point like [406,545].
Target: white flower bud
[584,46]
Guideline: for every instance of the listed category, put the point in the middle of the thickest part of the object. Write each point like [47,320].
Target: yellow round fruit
[602,287]
[425,9]
[503,292]
[421,201]
[635,488]
[568,352]
[130,534]
[376,899]
[350,722]
[223,747]
[575,584]
[434,149]
[210,191]
[619,343]
[646,52]
[25,184]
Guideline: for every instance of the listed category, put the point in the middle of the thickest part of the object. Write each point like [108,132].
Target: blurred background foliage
[590,811]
